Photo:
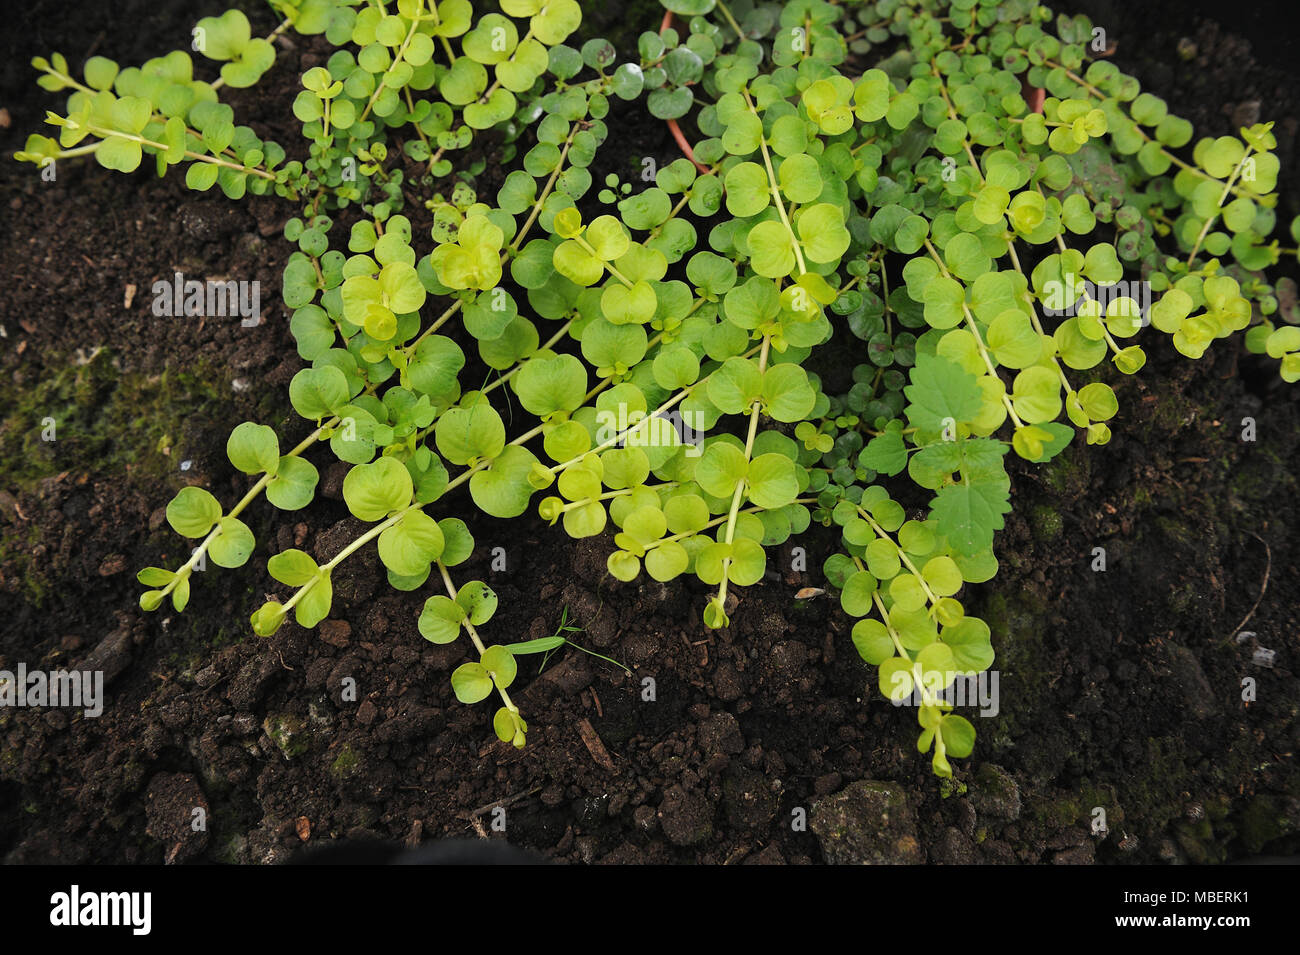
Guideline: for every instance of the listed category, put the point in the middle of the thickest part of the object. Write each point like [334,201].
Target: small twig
[594,746]
[413,837]
[503,803]
[1268,566]
[736,855]
[212,686]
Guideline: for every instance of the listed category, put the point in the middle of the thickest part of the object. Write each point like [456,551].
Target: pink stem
[673,128]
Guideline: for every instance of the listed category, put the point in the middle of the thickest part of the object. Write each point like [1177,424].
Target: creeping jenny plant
[865,172]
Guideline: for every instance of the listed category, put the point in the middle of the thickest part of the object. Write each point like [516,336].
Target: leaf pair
[254,449]
[228,38]
[770,480]
[441,618]
[298,569]
[195,513]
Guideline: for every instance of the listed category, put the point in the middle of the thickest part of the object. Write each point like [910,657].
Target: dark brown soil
[1120,690]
